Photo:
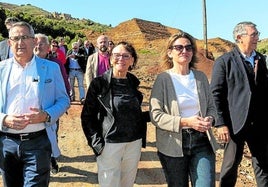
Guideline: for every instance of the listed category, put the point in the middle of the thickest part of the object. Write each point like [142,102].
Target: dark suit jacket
[4,50]
[233,93]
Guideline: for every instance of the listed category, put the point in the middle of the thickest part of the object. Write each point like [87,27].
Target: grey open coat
[165,114]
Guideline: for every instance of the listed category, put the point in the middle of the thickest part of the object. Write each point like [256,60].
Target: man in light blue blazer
[32,98]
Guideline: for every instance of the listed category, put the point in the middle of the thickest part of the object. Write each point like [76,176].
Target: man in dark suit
[88,49]
[5,51]
[239,85]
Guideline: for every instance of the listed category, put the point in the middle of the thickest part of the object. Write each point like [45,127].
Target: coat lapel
[41,71]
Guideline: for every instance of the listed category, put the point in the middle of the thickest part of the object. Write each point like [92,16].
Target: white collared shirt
[22,93]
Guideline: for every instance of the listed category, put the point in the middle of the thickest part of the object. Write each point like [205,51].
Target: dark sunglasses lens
[181,47]
[188,48]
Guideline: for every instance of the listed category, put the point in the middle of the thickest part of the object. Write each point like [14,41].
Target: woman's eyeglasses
[188,48]
[124,56]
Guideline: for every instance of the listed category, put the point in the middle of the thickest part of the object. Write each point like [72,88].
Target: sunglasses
[188,48]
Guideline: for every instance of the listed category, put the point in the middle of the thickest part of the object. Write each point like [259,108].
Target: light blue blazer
[52,95]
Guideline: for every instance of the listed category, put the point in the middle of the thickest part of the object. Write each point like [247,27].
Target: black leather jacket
[97,114]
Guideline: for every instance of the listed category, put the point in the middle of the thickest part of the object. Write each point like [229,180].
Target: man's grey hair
[22,24]
[43,36]
[240,29]
[11,20]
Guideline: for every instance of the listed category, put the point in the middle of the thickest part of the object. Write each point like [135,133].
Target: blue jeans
[80,79]
[25,163]
[198,163]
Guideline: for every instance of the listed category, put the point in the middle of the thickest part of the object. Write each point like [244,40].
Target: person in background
[80,42]
[33,98]
[5,51]
[239,85]
[98,62]
[55,52]
[62,46]
[113,121]
[110,46]
[88,49]
[41,50]
[182,109]
[76,67]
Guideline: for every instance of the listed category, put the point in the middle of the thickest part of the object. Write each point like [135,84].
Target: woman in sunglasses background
[182,109]
[110,46]
[55,52]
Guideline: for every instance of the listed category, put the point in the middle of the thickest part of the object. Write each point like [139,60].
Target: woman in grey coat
[182,109]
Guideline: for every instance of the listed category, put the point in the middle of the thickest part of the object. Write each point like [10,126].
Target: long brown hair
[167,62]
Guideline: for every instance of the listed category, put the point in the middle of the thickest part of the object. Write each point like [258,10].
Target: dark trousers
[25,163]
[233,153]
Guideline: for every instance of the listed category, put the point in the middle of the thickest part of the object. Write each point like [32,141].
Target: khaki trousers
[118,164]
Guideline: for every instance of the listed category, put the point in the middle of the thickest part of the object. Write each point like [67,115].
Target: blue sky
[187,15]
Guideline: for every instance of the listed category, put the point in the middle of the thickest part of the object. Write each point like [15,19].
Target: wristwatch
[48,119]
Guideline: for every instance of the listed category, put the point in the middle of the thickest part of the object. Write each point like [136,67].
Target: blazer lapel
[41,71]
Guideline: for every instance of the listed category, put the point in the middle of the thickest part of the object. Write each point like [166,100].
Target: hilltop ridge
[148,37]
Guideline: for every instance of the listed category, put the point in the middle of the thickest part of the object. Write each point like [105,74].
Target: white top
[186,91]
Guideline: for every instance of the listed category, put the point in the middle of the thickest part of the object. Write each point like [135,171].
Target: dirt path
[77,164]
[78,167]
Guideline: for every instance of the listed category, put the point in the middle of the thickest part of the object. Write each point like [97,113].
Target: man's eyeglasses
[254,34]
[124,56]
[18,38]
[40,44]
[180,48]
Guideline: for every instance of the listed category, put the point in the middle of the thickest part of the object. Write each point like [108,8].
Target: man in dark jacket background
[5,51]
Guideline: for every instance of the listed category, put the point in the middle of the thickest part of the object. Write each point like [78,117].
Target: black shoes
[54,166]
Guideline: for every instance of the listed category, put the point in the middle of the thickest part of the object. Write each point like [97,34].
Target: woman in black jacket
[113,121]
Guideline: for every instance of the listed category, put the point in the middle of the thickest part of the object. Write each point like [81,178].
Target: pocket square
[48,80]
